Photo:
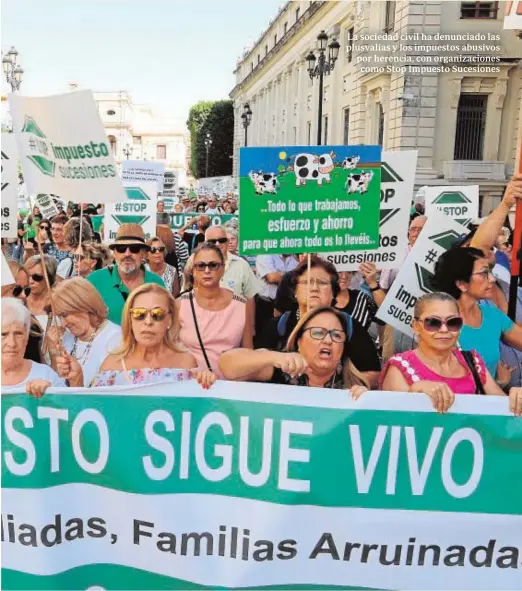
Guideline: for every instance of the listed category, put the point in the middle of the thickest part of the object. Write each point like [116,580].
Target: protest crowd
[185,304]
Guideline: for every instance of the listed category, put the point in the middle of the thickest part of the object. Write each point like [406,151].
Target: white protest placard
[138,208]
[138,171]
[9,186]
[459,203]
[7,276]
[397,178]
[64,149]
[170,183]
[220,185]
[414,278]
[513,15]
[47,206]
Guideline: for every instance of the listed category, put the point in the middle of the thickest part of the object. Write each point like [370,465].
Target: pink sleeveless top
[413,370]
[220,330]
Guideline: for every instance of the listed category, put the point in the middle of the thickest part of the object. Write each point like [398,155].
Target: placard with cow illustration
[299,199]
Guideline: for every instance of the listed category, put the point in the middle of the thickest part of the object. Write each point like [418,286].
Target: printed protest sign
[513,15]
[220,185]
[172,487]
[397,178]
[170,183]
[7,276]
[9,186]
[178,220]
[138,208]
[169,203]
[139,171]
[458,203]
[414,278]
[47,206]
[299,199]
[64,149]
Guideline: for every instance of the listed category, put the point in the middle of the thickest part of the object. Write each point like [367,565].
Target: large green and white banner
[169,486]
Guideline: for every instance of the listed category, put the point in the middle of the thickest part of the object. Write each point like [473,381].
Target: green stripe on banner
[104,576]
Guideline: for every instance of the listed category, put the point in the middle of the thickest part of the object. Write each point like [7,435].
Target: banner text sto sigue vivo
[132,488]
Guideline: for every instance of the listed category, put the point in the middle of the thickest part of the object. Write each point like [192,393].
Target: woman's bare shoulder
[111,362]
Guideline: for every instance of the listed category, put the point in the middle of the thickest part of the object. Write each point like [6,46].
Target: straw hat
[130,234]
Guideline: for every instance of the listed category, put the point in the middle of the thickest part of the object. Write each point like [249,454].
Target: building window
[471,125]
[297,15]
[112,142]
[478,10]
[380,135]
[325,130]
[137,140]
[309,132]
[346,126]
[349,44]
[389,16]
[161,152]
[285,28]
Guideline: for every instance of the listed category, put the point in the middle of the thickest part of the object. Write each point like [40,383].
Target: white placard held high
[9,185]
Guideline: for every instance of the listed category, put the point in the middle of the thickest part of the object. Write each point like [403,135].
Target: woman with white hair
[17,371]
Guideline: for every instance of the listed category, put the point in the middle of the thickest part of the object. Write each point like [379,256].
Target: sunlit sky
[168,53]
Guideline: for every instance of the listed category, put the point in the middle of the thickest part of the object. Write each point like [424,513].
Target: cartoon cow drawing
[358,183]
[312,167]
[351,162]
[264,182]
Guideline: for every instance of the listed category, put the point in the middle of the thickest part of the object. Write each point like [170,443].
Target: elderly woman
[150,350]
[91,256]
[212,319]
[315,288]
[16,370]
[39,298]
[465,274]
[157,264]
[85,333]
[315,356]
[436,367]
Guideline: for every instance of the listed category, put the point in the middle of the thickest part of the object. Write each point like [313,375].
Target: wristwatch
[376,288]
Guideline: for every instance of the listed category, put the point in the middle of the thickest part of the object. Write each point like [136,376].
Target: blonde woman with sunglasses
[437,367]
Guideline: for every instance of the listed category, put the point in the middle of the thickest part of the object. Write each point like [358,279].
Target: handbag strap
[468,358]
[191,298]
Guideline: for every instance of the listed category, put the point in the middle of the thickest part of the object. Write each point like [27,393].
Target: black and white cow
[358,183]
[310,167]
[264,182]
[351,162]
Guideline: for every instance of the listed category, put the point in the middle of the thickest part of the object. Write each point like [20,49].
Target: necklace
[82,359]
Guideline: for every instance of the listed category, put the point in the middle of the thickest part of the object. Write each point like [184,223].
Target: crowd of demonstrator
[185,305]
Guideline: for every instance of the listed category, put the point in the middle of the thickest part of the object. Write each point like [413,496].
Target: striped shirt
[361,307]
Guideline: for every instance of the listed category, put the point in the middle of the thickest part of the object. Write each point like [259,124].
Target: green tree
[217,119]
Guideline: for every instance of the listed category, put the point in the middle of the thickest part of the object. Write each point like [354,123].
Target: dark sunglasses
[122,248]
[213,266]
[36,277]
[45,227]
[155,249]
[218,240]
[18,289]
[434,324]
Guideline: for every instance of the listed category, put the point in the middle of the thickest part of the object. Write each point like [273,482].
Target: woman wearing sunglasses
[38,300]
[316,355]
[436,367]
[465,273]
[150,350]
[212,318]
[157,264]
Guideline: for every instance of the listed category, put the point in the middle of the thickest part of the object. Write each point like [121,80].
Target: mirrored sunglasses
[157,314]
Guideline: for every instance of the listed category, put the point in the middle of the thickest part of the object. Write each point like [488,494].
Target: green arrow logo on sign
[131,219]
[387,214]
[451,198]
[388,175]
[136,194]
[445,239]
[424,278]
[30,126]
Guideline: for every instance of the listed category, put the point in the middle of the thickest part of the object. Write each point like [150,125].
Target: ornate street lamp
[320,66]
[13,72]
[208,143]
[128,150]
[247,118]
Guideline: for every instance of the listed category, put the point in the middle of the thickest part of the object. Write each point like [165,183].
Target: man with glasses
[115,282]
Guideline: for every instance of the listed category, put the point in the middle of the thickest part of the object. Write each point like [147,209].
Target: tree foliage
[217,119]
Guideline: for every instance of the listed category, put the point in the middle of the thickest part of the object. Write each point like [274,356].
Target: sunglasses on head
[213,266]
[157,314]
[434,324]
[36,277]
[18,289]
[156,249]
[218,240]
[122,248]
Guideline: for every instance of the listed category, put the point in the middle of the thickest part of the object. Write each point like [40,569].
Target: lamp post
[247,118]
[13,72]
[319,66]
[208,143]
[128,150]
